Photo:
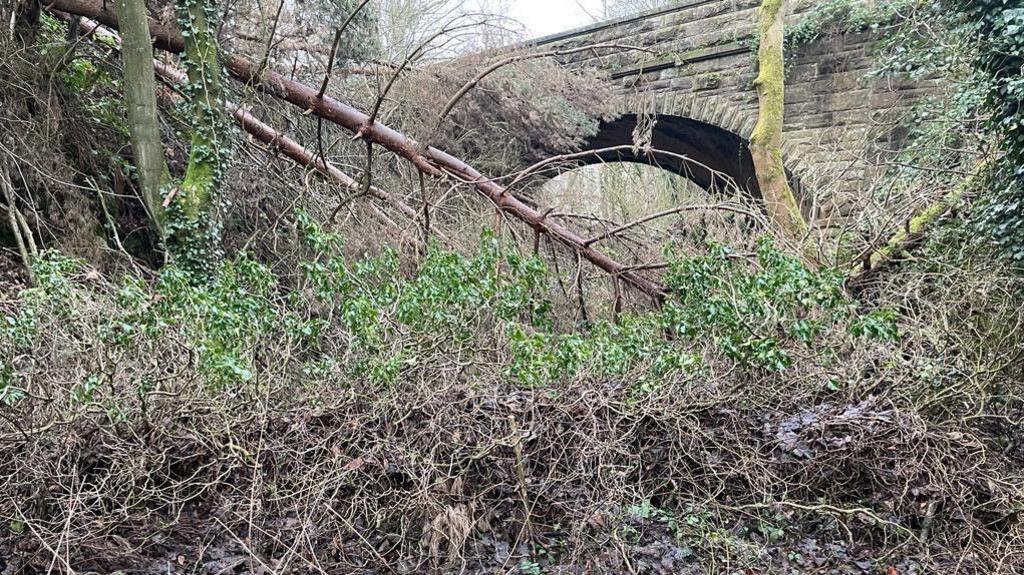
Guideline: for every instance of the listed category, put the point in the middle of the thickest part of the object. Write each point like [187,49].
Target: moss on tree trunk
[916,229]
[193,228]
[766,141]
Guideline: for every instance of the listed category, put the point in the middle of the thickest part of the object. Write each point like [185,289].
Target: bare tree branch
[475,80]
[334,47]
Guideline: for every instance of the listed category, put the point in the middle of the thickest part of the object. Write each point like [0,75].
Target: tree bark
[766,141]
[277,141]
[140,97]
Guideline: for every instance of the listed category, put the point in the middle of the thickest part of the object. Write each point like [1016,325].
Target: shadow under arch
[720,158]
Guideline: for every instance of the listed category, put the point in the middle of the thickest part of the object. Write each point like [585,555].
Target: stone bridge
[696,80]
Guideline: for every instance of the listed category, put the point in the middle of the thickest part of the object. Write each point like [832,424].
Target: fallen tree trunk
[914,233]
[428,160]
[304,157]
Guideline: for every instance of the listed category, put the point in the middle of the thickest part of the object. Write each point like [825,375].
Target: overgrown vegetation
[964,141]
[836,17]
[378,324]
[767,349]
[396,382]
[997,27]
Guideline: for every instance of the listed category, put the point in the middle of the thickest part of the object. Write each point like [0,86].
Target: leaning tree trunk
[140,97]
[193,224]
[766,141]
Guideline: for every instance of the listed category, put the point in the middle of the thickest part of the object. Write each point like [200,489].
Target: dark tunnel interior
[717,157]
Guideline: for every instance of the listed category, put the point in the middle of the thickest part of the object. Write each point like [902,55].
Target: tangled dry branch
[430,161]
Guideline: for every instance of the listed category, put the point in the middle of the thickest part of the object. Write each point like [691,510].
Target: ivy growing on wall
[977,48]
[842,17]
[836,17]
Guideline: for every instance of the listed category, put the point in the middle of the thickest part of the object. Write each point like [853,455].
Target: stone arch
[712,131]
[712,111]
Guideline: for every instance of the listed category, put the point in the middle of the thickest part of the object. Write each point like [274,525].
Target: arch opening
[653,208]
[689,160]
[720,159]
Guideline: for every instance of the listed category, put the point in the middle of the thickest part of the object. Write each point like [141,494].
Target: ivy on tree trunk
[193,225]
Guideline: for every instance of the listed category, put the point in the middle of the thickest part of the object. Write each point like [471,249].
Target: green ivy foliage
[52,292]
[192,223]
[224,321]
[834,17]
[977,48]
[451,301]
[998,27]
[370,319]
[842,17]
[750,312]
[753,315]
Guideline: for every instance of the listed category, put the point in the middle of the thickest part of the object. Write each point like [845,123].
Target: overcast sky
[543,17]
